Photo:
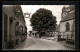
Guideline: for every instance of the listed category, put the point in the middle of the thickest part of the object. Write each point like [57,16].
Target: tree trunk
[39,36]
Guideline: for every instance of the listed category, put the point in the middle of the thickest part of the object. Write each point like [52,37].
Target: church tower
[65,11]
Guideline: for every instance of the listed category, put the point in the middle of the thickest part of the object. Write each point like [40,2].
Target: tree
[43,21]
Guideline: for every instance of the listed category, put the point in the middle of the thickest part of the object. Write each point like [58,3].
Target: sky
[56,11]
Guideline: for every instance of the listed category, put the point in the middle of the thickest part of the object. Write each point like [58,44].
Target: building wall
[63,25]
[10,29]
[63,28]
[6,11]
[68,19]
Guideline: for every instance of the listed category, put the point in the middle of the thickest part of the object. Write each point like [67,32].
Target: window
[67,26]
[64,14]
[11,20]
[16,29]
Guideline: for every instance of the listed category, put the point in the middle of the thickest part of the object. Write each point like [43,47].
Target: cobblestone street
[41,44]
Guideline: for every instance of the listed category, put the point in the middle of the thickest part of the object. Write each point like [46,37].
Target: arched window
[67,26]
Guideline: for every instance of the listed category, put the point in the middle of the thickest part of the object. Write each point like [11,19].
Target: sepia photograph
[38,27]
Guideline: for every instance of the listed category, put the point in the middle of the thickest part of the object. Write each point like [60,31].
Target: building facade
[56,32]
[13,26]
[67,23]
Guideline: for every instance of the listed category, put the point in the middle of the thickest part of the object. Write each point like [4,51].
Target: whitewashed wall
[63,28]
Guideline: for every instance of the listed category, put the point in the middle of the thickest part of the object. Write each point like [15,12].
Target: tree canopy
[43,21]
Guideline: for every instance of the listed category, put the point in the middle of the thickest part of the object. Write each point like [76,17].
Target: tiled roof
[69,16]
